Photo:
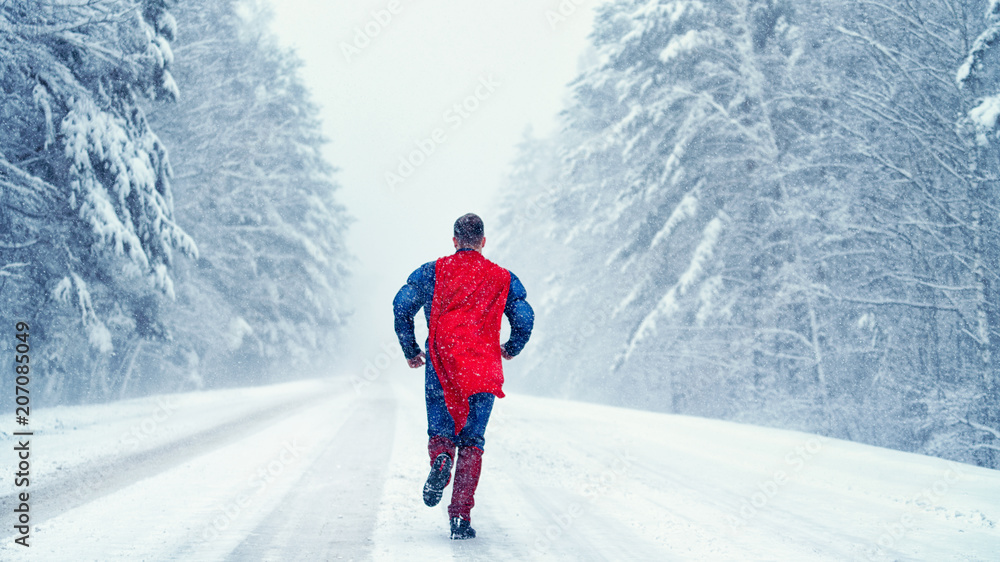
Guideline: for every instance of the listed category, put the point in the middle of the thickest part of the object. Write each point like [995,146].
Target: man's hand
[504,354]
[417,361]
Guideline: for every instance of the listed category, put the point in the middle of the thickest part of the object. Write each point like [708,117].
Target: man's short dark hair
[469,230]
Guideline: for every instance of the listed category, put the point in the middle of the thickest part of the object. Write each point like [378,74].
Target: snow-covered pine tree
[265,299]
[665,151]
[86,199]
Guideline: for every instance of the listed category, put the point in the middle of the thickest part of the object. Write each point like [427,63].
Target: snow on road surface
[329,470]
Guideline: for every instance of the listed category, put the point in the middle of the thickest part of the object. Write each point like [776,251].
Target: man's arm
[410,298]
[521,317]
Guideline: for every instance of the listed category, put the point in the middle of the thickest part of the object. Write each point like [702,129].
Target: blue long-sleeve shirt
[419,292]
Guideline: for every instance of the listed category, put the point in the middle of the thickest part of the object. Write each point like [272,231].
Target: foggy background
[377,104]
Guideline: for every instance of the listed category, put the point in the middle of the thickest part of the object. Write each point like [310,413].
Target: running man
[463,296]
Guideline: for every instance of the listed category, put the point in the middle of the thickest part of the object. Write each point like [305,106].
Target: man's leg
[470,454]
[440,444]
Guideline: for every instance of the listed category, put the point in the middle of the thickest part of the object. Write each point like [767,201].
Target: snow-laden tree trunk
[979,77]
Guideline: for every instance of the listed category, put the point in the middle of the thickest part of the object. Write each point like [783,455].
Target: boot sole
[437,480]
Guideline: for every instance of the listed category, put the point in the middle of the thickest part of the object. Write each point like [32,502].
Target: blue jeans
[439,421]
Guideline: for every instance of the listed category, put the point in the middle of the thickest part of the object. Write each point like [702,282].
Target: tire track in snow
[330,512]
[565,490]
[405,529]
[173,514]
[618,478]
[101,477]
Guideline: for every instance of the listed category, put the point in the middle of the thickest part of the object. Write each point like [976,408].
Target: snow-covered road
[321,470]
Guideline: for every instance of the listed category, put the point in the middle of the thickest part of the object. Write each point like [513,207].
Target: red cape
[470,294]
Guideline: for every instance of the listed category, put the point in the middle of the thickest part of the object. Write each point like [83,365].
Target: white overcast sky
[396,92]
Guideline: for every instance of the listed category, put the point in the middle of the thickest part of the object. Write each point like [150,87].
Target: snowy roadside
[68,437]
[197,506]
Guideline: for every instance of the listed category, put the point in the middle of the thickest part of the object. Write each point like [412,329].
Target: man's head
[469,232]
